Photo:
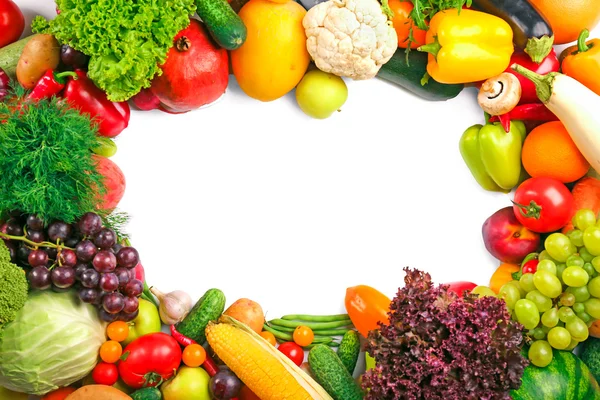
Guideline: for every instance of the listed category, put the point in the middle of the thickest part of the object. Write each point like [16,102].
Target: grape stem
[533,210]
[34,244]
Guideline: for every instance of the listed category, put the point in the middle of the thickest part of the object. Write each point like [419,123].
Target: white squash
[576,106]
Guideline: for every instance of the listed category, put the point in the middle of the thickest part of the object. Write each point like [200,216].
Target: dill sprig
[117,220]
[46,166]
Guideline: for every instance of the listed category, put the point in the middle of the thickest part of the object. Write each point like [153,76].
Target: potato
[248,312]
[97,392]
[39,55]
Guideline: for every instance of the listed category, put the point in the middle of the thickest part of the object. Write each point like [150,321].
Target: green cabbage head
[53,342]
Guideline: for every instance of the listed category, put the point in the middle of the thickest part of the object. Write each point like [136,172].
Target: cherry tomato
[59,394]
[194,355]
[530,266]
[105,374]
[149,360]
[303,336]
[118,331]
[12,22]
[111,351]
[543,204]
[460,287]
[269,337]
[292,351]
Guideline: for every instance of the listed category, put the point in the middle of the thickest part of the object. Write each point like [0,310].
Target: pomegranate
[114,180]
[195,73]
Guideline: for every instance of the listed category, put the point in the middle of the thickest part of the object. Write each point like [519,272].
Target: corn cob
[264,369]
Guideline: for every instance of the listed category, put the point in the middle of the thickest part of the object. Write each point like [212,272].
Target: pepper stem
[539,48]
[533,210]
[582,47]
[61,77]
[543,83]
[431,48]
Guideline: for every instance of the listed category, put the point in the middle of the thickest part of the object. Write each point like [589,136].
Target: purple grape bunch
[100,269]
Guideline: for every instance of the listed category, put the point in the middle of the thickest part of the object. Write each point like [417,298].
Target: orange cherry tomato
[502,275]
[367,307]
[194,355]
[303,336]
[111,351]
[59,394]
[117,331]
[269,337]
[403,22]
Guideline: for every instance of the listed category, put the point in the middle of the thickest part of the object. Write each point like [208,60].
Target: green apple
[6,394]
[147,321]
[320,94]
[188,384]
[369,361]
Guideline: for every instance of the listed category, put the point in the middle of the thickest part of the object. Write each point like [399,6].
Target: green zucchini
[9,56]
[332,374]
[208,308]
[149,393]
[349,350]
[408,75]
[224,25]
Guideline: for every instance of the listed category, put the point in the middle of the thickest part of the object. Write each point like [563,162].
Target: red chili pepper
[525,112]
[50,84]
[111,117]
[210,366]
[530,267]
[548,64]
[181,339]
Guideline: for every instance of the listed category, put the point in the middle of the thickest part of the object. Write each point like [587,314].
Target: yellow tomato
[273,59]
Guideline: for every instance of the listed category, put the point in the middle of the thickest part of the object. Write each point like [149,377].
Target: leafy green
[45,160]
[13,287]
[117,221]
[425,9]
[126,40]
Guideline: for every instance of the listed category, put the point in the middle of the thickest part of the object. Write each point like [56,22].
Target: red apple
[460,287]
[506,239]
[114,180]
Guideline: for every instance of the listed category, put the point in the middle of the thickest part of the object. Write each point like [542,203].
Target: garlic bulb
[173,306]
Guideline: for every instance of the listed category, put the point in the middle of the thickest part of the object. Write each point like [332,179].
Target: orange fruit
[569,17]
[550,152]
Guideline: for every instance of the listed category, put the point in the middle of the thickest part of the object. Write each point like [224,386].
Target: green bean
[316,318]
[331,332]
[315,326]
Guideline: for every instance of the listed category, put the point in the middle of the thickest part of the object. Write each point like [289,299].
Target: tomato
[530,267]
[149,360]
[303,336]
[194,355]
[367,307]
[460,287]
[292,351]
[543,204]
[117,331]
[110,351]
[12,22]
[269,337]
[105,374]
[59,394]
[114,180]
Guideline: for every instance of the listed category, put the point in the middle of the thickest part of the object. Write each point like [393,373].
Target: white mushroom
[500,94]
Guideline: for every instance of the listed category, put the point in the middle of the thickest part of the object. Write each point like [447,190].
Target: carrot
[586,193]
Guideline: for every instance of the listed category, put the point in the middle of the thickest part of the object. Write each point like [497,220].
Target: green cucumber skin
[224,25]
[409,75]
[208,308]
[9,56]
[149,393]
[349,350]
[332,374]
[565,378]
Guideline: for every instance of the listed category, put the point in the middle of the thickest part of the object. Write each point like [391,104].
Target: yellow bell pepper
[467,46]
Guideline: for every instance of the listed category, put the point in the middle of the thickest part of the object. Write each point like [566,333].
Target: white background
[263,202]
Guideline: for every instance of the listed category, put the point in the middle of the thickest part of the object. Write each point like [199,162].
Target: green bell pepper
[494,156]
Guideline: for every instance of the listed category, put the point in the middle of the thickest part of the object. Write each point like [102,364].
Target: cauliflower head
[350,38]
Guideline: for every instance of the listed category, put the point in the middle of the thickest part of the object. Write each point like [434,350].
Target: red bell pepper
[525,112]
[548,64]
[50,84]
[81,93]
[460,287]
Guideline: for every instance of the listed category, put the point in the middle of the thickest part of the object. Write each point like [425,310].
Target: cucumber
[208,308]
[9,56]
[149,393]
[224,25]
[349,350]
[332,374]
[409,74]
